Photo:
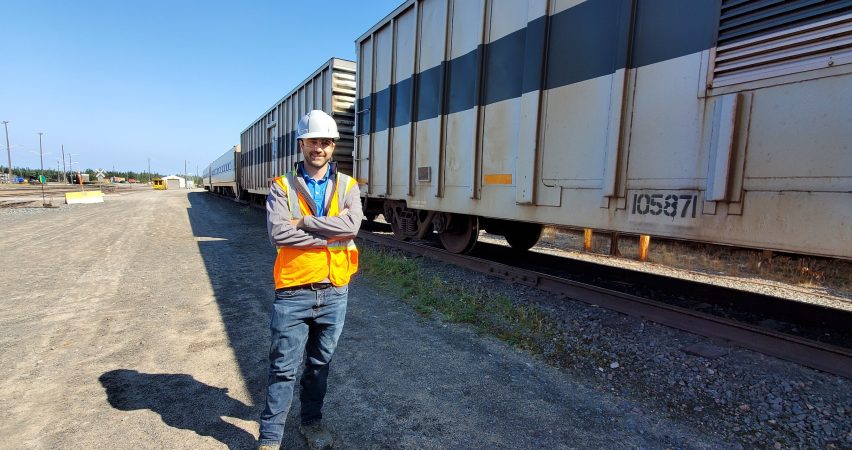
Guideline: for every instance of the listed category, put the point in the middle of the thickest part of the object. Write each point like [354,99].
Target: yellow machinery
[158,184]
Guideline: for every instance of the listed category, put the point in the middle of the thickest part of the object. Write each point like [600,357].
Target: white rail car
[718,121]
[222,175]
[269,144]
[205,178]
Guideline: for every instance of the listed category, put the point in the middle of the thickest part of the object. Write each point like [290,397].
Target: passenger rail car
[269,144]
[205,177]
[223,176]
[719,121]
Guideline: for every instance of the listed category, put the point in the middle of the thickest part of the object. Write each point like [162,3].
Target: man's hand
[298,223]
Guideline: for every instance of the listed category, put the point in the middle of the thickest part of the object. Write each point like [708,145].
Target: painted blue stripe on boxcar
[583,43]
[381,109]
[461,81]
[504,72]
[402,103]
[667,29]
[586,42]
[535,45]
[430,84]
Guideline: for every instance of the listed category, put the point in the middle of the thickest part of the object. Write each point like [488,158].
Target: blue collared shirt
[317,189]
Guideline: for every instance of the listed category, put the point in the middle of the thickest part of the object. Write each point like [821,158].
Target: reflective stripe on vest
[337,261]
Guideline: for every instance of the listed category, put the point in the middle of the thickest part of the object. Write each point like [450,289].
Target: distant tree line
[55,175]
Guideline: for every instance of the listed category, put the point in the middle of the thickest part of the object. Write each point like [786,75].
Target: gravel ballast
[745,398]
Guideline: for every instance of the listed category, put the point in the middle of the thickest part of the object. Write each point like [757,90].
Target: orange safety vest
[337,261]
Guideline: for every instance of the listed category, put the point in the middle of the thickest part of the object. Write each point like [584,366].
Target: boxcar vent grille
[766,38]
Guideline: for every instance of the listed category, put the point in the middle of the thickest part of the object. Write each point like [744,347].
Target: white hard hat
[317,124]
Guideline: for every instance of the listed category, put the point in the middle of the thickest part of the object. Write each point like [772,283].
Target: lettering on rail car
[675,205]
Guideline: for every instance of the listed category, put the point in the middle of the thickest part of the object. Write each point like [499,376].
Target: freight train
[727,122]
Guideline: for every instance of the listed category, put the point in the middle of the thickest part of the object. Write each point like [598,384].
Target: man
[313,213]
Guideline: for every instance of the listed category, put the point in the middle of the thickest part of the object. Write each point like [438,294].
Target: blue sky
[119,82]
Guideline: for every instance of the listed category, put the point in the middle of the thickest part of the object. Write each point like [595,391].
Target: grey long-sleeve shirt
[315,231]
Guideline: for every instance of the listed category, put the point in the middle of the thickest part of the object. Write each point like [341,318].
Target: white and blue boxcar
[717,121]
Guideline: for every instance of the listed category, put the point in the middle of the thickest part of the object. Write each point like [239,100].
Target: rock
[706,350]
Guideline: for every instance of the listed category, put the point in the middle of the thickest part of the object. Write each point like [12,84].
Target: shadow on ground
[238,259]
[234,246]
[182,402]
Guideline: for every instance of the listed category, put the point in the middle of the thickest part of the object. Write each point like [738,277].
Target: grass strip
[521,325]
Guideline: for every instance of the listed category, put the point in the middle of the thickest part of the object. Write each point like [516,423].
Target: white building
[174,182]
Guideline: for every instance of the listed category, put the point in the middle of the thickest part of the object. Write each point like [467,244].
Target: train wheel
[396,226]
[523,236]
[461,233]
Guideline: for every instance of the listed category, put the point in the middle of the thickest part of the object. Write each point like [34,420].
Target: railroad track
[36,191]
[15,204]
[33,191]
[808,352]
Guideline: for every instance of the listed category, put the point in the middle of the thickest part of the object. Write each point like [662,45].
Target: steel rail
[15,204]
[58,189]
[824,357]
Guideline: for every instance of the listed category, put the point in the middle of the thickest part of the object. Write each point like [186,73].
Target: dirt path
[142,323]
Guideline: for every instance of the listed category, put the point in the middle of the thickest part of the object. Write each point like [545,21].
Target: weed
[522,325]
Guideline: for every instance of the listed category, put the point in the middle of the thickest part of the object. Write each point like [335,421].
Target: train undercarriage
[458,232]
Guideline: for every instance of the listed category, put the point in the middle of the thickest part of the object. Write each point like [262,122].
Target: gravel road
[142,323]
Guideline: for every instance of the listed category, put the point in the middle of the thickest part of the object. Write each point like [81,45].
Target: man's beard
[317,163]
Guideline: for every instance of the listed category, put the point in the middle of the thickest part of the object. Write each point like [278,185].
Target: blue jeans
[302,320]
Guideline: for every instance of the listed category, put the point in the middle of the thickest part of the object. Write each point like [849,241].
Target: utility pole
[41,153]
[41,157]
[8,149]
[184,174]
[149,170]
[64,174]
